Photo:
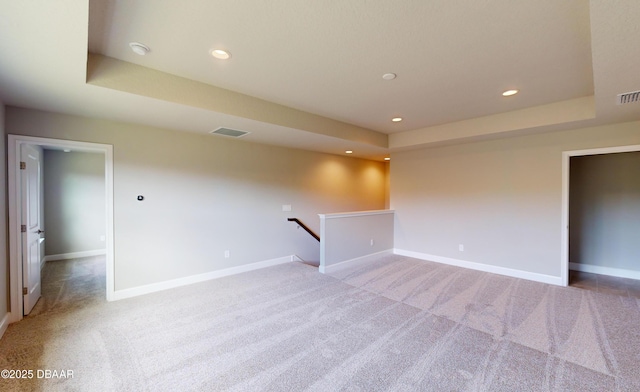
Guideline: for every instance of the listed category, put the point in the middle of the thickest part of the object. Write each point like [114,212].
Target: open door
[24,267]
[31,228]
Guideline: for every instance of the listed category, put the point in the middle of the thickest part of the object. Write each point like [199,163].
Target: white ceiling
[309,74]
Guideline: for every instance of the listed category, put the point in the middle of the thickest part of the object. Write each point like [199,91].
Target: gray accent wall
[74,202]
[500,199]
[604,213]
[206,194]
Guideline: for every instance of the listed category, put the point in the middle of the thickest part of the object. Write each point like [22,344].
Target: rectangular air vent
[633,96]
[228,132]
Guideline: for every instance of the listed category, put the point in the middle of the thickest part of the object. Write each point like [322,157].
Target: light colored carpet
[397,324]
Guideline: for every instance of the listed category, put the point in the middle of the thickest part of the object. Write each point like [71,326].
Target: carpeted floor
[397,324]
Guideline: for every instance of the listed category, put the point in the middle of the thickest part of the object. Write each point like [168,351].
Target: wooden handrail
[314,235]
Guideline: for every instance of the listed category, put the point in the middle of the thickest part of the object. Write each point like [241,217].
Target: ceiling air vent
[633,96]
[228,132]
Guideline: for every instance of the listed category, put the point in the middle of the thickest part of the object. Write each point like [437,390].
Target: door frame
[15,210]
[566,158]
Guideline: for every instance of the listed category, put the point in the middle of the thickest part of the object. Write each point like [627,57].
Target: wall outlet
[226,254]
[461,248]
[102,238]
[371,242]
[286,207]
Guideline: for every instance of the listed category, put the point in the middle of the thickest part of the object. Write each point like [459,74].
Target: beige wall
[501,199]
[387,185]
[206,194]
[74,201]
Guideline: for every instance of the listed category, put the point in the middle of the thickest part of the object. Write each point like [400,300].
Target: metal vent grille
[633,96]
[229,132]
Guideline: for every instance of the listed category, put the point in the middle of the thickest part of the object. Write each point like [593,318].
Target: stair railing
[308,230]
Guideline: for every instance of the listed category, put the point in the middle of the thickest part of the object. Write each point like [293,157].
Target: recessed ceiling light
[220,54]
[139,48]
[349,152]
[389,76]
[387,159]
[396,119]
[509,93]
[66,150]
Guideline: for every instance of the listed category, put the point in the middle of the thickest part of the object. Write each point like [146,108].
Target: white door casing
[14,144]
[566,159]
[32,224]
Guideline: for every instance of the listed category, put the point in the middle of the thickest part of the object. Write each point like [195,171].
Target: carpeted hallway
[398,324]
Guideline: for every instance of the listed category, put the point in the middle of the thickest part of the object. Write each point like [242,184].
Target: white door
[31,229]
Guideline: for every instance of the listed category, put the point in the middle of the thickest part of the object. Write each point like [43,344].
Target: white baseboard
[358,260]
[170,284]
[600,270]
[74,255]
[4,324]
[514,273]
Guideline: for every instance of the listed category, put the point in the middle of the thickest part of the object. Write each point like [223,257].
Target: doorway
[567,233]
[15,197]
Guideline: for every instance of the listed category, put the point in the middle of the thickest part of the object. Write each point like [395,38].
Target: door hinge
[23,165]
[23,228]
[24,291]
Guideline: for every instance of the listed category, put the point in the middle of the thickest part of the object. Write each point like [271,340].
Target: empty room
[322,196]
